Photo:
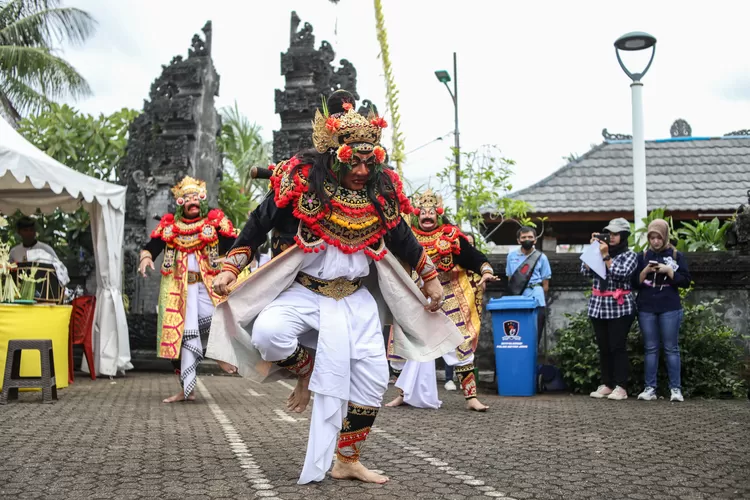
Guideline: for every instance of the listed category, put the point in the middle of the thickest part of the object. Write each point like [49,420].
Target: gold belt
[335,289]
[193,278]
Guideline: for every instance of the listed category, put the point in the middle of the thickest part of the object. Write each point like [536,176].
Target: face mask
[527,244]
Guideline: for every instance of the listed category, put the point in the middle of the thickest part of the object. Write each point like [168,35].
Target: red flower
[215,214]
[168,219]
[379,153]
[333,124]
[379,122]
[347,106]
[345,153]
[440,211]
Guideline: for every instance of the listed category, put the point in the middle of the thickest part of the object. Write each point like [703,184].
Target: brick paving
[116,440]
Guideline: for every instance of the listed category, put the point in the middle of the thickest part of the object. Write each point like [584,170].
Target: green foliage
[485,183]
[698,236]
[704,236]
[243,148]
[93,146]
[233,201]
[576,354]
[711,355]
[391,92]
[31,74]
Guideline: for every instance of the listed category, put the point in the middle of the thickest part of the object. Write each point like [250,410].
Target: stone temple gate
[173,137]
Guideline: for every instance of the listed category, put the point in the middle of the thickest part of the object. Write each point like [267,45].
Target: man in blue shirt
[538,285]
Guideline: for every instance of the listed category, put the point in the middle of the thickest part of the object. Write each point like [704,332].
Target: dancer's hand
[145,262]
[222,282]
[433,290]
[485,278]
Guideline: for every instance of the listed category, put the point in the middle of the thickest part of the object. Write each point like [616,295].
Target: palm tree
[31,73]
[243,149]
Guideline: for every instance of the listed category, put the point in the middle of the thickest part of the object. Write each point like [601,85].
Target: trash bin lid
[512,302]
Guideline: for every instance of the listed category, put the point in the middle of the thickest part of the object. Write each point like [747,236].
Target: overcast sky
[538,79]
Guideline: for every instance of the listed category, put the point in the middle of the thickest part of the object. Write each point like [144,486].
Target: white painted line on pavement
[283,416]
[285,384]
[467,479]
[254,393]
[258,480]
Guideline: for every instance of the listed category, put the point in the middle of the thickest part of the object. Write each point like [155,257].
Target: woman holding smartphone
[612,308]
[662,270]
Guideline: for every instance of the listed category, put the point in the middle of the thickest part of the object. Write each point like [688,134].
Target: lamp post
[444,77]
[634,41]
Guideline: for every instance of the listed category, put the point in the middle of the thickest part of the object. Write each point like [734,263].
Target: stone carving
[738,133]
[173,137]
[309,75]
[738,236]
[615,137]
[366,107]
[681,128]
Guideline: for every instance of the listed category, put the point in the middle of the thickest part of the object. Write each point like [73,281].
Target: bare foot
[226,366]
[300,397]
[356,471]
[396,402]
[474,404]
[179,397]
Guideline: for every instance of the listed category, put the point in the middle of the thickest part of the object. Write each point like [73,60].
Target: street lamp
[634,41]
[444,77]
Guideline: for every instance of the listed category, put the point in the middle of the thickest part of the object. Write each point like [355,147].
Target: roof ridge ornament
[681,128]
[738,132]
[615,137]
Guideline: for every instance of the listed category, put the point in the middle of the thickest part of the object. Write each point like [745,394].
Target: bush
[712,357]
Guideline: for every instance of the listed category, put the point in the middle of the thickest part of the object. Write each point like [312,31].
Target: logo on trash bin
[511,328]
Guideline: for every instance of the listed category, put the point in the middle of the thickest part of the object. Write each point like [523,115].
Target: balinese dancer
[455,259]
[192,240]
[344,210]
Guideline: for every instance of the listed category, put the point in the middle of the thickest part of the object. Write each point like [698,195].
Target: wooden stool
[13,380]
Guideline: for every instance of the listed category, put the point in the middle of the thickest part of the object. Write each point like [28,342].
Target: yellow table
[39,322]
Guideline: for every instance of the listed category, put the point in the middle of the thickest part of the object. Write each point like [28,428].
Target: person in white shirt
[26,229]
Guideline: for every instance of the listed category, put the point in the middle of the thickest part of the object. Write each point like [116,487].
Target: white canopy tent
[29,179]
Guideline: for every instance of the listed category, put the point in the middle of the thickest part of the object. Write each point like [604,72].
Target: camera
[602,237]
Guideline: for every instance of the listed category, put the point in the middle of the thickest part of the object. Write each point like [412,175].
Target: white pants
[199,308]
[418,380]
[350,362]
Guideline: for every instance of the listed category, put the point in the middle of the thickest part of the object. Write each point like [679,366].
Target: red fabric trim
[216,219]
[300,187]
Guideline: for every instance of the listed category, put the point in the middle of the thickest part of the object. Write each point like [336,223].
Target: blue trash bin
[514,330]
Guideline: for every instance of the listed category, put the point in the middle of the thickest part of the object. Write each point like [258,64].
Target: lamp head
[633,42]
[443,76]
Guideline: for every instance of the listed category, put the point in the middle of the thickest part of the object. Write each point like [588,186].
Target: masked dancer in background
[455,258]
[192,239]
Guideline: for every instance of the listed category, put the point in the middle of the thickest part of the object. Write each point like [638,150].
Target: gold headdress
[348,128]
[428,199]
[188,185]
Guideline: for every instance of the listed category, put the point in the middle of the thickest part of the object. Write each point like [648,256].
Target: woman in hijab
[612,308]
[662,270]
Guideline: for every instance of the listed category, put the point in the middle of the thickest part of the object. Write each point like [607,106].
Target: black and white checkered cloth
[619,277]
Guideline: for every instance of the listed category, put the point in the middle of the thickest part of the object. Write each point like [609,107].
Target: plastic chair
[81,328]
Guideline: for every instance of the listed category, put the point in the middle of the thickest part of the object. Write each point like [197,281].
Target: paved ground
[108,439]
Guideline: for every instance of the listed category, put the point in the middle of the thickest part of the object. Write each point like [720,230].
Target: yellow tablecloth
[37,322]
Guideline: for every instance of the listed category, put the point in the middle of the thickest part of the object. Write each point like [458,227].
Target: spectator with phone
[612,307]
[661,271]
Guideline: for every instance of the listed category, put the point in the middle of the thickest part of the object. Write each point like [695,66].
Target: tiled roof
[686,173]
